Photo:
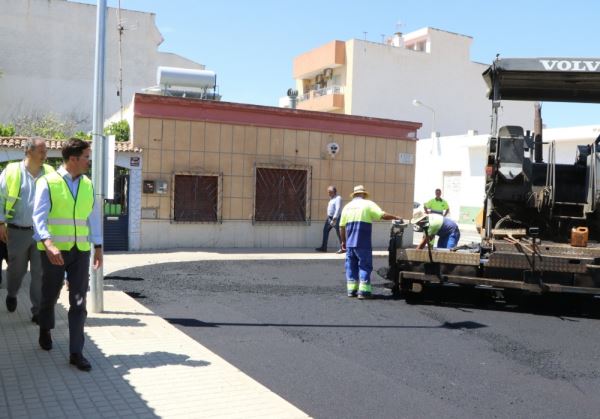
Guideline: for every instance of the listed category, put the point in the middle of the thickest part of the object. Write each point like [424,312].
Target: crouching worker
[355,229]
[436,224]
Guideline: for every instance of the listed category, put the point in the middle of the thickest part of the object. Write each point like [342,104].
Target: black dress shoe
[320,249]
[11,303]
[35,319]
[45,339]
[80,362]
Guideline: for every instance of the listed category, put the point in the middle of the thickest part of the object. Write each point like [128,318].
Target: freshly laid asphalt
[285,321]
[247,333]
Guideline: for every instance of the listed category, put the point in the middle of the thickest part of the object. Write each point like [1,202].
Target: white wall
[463,154]
[47,58]
[157,234]
[386,79]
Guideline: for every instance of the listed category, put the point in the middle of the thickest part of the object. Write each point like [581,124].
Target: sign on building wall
[406,158]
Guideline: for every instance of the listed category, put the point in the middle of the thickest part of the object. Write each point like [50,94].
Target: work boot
[11,303]
[365,296]
[45,339]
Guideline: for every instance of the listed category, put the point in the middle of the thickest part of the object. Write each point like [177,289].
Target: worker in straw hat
[355,229]
[436,224]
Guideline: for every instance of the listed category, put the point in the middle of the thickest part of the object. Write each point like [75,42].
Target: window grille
[281,195]
[196,198]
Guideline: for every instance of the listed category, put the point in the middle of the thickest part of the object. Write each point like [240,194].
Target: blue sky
[250,44]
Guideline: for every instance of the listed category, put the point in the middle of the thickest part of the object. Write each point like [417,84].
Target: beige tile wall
[233,150]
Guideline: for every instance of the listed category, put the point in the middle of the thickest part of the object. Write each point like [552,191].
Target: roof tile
[19,142]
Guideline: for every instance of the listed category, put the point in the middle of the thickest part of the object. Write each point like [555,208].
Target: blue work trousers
[359,265]
[450,241]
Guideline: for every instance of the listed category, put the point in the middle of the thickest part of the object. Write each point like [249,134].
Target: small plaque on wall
[161,186]
[148,186]
[151,213]
[406,158]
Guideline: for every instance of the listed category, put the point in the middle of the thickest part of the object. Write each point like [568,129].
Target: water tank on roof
[185,77]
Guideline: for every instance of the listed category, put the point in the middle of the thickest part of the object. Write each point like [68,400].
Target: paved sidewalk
[143,367]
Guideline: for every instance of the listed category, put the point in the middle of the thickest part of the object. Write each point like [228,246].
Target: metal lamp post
[98,151]
[418,103]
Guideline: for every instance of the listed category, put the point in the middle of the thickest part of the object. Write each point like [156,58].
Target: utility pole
[98,152]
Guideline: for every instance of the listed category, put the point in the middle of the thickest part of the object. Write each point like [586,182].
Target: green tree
[119,129]
[83,135]
[7,130]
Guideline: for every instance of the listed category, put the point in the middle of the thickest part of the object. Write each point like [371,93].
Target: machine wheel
[410,296]
[414,297]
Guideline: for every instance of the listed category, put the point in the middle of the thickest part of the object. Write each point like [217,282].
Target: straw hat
[418,216]
[359,189]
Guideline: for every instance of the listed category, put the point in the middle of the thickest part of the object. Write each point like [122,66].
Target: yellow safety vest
[12,176]
[67,219]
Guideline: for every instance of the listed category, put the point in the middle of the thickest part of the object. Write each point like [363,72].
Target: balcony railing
[329,90]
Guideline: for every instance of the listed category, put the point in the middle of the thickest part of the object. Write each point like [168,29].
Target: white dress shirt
[334,207]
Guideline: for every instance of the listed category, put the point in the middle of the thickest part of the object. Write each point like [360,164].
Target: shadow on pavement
[113,321]
[567,307]
[124,363]
[190,322]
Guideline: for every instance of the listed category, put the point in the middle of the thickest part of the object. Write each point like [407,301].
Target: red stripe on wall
[154,106]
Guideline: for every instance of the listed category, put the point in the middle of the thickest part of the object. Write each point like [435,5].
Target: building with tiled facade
[219,174]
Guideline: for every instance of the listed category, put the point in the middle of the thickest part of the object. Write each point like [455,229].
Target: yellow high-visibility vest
[12,176]
[67,219]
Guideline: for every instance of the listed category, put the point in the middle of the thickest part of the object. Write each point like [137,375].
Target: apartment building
[426,76]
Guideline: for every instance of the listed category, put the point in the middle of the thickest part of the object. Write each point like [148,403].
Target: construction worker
[435,224]
[17,192]
[355,229]
[437,205]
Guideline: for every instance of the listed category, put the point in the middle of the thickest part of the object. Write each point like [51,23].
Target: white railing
[325,91]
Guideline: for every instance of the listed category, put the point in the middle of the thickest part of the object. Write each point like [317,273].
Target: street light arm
[418,103]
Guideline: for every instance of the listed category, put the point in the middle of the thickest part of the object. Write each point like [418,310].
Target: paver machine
[540,229]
